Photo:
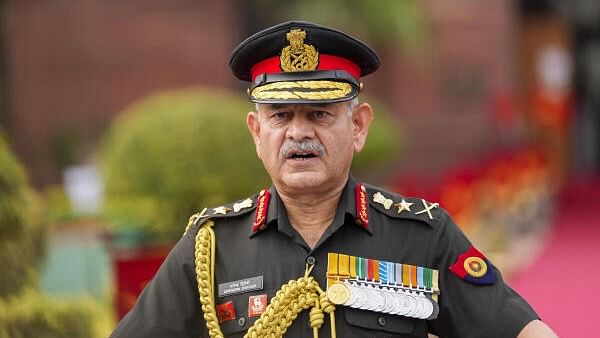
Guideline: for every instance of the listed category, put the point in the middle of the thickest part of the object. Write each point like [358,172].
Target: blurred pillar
[456,100]
[584,17]
[546,82]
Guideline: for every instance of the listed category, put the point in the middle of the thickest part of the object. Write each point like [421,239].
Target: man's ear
[253,123]
[361,120]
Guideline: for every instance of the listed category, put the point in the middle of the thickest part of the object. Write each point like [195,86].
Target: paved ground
[561,283]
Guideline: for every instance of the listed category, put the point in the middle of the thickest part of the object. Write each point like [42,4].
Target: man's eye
[280,115]
[319,114]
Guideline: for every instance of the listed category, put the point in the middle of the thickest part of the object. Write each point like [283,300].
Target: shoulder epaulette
[240,207]
[397,206]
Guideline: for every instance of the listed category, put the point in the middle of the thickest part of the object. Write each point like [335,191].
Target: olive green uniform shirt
[169,306]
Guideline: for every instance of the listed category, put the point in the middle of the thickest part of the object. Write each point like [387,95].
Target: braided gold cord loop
[293,297]
[326,304]
[289,301]
[328,307]
[316,319]
[205,274]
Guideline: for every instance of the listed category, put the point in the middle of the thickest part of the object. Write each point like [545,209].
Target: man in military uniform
[319,252]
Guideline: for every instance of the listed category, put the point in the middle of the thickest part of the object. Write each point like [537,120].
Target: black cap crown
[300,62]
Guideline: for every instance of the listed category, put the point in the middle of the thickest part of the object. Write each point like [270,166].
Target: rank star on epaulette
[403,206]
[221,210]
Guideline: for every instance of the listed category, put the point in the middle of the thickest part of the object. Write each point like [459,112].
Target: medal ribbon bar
[382,286]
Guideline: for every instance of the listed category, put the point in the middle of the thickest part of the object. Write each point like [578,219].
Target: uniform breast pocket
[239,312]
[363,323]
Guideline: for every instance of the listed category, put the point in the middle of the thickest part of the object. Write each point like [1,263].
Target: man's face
[308,147]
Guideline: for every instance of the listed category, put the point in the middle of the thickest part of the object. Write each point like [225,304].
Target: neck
[311,213]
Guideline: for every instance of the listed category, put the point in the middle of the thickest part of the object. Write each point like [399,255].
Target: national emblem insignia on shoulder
[404,207]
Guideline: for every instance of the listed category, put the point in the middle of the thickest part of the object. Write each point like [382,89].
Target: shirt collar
[345,212]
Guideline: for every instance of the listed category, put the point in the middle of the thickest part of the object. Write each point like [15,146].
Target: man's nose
[299,129]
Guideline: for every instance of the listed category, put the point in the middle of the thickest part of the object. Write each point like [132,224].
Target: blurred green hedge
[24,312]
[176,152]
[32,314]
[22,233]
[384,142]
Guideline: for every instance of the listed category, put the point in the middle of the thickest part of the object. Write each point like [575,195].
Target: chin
[304,180]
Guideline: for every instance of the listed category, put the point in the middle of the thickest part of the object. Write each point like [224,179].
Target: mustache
[298,146]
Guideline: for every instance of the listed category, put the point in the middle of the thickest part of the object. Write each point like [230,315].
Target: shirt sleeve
[469,310]
[169,305]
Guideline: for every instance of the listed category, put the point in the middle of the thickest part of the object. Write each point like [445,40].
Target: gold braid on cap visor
[306,90]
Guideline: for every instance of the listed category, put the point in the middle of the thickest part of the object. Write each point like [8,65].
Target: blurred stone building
[70,66]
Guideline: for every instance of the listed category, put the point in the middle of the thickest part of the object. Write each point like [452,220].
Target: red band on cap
[326,62]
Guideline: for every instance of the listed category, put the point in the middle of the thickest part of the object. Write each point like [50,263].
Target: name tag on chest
[241,286]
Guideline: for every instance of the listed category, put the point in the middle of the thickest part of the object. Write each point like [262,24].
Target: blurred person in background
[366,262]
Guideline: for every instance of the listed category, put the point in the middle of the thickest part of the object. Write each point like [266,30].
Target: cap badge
[298,56]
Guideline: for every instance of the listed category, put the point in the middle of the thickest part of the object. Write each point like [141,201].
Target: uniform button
[381,321]
[311,260]
[242,321]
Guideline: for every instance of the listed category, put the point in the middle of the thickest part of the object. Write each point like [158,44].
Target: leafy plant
[175,153]
[381,22]
[31,314]
[383,143]
[24,312]
[22,233]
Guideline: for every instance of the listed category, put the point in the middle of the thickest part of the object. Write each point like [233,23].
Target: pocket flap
[379,321]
